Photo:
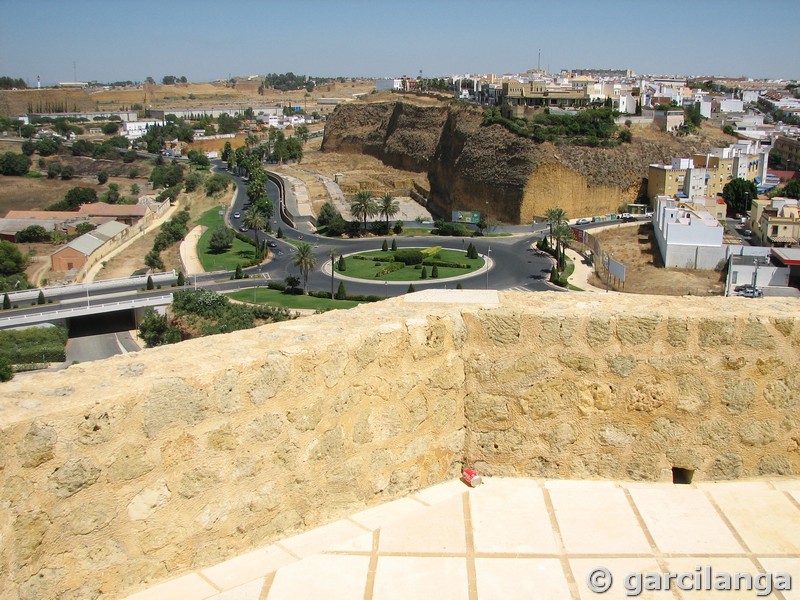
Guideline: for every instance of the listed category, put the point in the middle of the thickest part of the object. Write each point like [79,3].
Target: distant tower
[539,62]
[38,82]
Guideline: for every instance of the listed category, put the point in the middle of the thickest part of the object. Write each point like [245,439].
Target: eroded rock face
[468,162]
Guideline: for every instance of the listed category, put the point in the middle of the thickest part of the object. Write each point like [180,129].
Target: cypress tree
[394,245]
[424,273]
[40,299]
[459,287]
[410,289]
[435,272]
[150,285]
[181,279]
[341,293]
[341,264]
[6,302]
[385,247]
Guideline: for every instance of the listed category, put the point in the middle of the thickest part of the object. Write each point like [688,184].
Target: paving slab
[437,529]
[405,577]
[247,567]
[329,576]
[521,579]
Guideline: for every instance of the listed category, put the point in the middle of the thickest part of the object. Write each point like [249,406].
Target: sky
[111,40]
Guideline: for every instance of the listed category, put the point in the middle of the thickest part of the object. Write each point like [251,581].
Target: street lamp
[755,275]
[332,268]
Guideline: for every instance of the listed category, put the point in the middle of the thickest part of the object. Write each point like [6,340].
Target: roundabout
[422,265]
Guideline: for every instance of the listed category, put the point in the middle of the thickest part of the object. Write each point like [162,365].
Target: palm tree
[555,216]
[256,220]
[304,258]
[562,233]
[388,207]
[363,206]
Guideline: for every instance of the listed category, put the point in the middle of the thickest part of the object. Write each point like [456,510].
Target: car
[242,228]
[741,288]
[628,219]
[649,215]
[751,293]
[747,233]
[299,237]
[583,221]
[272,244]
[237,214]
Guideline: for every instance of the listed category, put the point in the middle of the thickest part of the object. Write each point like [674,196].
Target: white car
[583,221]
[237,214]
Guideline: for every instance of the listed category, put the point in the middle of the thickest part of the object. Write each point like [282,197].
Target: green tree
[341,265]
[150,284]
[181,279]
[279,233]
[292,281]
[255,220]
[238,273]
[394,245]
[11,260]
[398,227]
[435,272]
[6,372]
[85,227]
[562,234]
[153,260]
[135,189]
[6,301]
[221,239]
[341,293]
[555,216]
[385,246]
[738,194]
[155,329]
[33,233]
[791,189]
[327,214]
[102,177]
[304,258]
[410,289]
[481,224]
[79,195]
[47,146]
[459,287]
[67,172]
[109,128]
[216,183]
[14,164]
[363,206]
[424,273]
[53,170]
[388,207]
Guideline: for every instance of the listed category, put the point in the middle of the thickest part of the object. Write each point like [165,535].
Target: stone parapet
[119,473]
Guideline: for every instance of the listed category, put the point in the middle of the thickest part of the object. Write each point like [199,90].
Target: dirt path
[188,251]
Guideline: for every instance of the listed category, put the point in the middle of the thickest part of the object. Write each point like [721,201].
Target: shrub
[275,285]
[102,177]
[150,285]
[394,245]
[424,273]
[443,263]
[391,268]
[341,293]
[431,252]
[398,228]
[410,288]
[181,279]
[380,228]
[435,272]
[409,256]
[6,373]
[40,299]
[385,246]
[459,287]
[341,265]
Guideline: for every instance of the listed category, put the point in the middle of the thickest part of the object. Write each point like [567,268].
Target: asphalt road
[97,347]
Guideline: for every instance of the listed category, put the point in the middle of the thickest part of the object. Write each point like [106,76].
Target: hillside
[489,169]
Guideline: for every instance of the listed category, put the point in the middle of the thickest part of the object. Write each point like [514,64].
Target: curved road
[513,264]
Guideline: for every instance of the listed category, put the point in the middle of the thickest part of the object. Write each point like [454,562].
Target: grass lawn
[367,269]
[241,253]
[278,298]
[416,231]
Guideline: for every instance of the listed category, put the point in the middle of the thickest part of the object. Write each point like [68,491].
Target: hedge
[374,258]
[395,266]
[443,263]
[409,256]
[274,285]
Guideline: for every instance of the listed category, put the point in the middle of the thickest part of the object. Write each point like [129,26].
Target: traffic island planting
[407,264]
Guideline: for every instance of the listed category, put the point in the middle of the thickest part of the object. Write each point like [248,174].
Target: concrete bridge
[61,314]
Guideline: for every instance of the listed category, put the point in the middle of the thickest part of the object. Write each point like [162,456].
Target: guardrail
[285,215]
[63,290]
[89,309]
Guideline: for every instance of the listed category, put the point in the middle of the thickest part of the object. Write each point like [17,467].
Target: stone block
[717,332]
[635,330]
[774,465]
[29,531]
[197,481]
[577,362]
[129,462]
[557,331]
[783,325]
[270,378]
[647,395]
[755,335]
[598,331]
[727,466]
[172,401]
[643,467]
[73,476]
[757,433]
[693,396]
[502,327]
[92,517]
[738,395]
[621,364]
[715,433]
[677,332]
[37,446]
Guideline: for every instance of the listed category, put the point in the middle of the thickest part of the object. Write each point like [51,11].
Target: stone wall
[127,471]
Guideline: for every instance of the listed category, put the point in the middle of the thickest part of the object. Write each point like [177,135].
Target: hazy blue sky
[110,40]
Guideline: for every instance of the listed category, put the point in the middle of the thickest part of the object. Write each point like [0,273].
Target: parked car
[741,288]
[628,219]
[583,221]
[751,292]
[747,233]
[272,244]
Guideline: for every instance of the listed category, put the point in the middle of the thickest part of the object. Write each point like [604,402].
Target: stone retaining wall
[124,472]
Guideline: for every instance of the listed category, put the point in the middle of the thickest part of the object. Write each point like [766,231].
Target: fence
[610,271]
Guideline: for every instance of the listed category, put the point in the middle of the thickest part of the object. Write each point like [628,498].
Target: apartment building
[707,174]
[687,238]
[517,98]
[789,147]
[776,221]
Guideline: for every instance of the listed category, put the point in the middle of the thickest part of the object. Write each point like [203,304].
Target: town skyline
[204,41]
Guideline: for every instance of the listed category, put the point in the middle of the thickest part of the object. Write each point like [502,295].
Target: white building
[383,85]
[687,239]
[133,130]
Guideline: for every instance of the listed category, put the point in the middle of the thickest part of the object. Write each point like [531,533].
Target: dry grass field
[635,246]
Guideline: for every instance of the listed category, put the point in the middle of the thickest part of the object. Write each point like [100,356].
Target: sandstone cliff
[487,168]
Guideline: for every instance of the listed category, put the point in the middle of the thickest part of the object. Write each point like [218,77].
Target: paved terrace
[523,538]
